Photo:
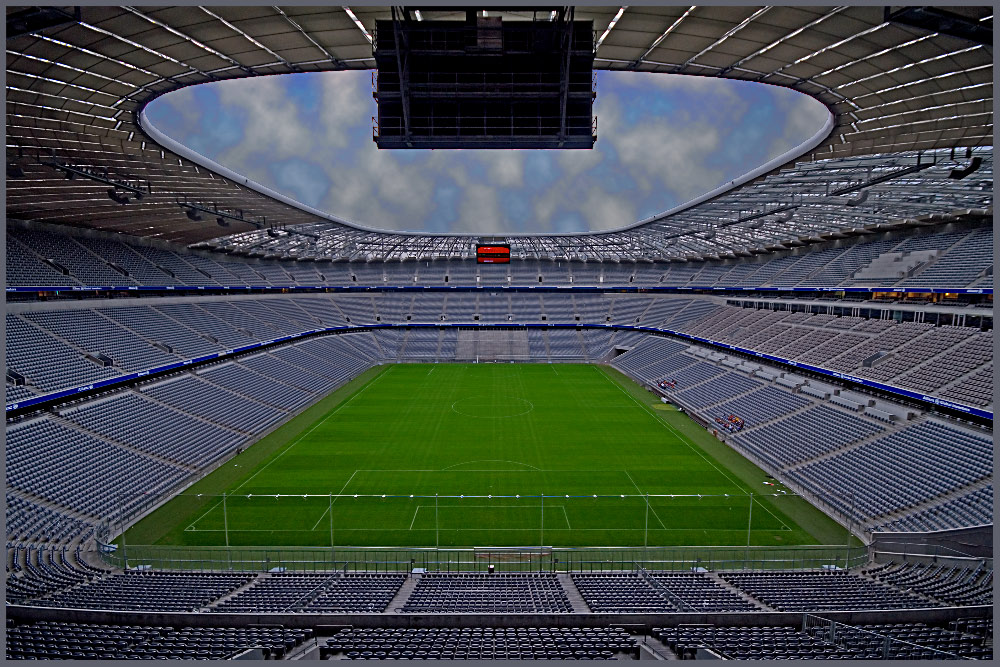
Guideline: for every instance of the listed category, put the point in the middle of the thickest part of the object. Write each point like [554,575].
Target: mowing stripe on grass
[581,436]
[670,428]
[316,426]
[481,507]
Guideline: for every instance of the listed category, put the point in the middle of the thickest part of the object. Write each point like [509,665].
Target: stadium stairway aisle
[403,594]
[714,576]
[233,593]
[573,593]
[657,649]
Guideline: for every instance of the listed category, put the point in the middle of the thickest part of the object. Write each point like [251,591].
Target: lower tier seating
[59,640]
[480,644]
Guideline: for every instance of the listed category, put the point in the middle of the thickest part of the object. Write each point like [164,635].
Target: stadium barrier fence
[868,641]
[564,533]
[481,559]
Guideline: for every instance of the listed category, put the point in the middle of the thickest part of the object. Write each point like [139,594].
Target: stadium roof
[911,83]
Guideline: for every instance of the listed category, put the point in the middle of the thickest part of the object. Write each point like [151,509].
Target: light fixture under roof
[117,197]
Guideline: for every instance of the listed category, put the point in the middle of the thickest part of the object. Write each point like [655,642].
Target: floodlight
[958,173]
[860,199]
[115,196]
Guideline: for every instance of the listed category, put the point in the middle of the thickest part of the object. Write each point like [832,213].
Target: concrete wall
[975,542]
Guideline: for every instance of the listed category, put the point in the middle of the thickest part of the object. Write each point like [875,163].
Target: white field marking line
[342,489]
[330,506]
[319,519]
[492,461]
[613,528]
[296,441]
[647,501]
[487,507]
[684,439]
[557,470]
[207,512]
[431,370]
[412,521]
[193,529]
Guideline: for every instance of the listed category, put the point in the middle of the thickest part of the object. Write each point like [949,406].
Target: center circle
[484,407]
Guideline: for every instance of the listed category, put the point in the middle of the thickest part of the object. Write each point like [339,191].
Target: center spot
[483,407]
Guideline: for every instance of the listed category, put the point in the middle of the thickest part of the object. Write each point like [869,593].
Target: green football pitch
[544,454]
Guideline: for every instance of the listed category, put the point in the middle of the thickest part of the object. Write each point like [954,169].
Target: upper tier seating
[37,257]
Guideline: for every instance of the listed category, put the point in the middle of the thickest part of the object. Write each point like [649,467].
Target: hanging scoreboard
[493,253]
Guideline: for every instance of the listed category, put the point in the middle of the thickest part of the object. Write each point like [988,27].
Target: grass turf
[487,429]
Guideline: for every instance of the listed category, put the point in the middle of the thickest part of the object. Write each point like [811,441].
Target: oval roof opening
[663,140]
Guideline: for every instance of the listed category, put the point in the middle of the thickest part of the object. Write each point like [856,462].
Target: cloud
[603,211]
[267,126]
[803,118]
[303,180]
[344,109]
[506,169]
[662,140]
[479,211]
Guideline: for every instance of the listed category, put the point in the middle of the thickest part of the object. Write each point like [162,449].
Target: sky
[662,140]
